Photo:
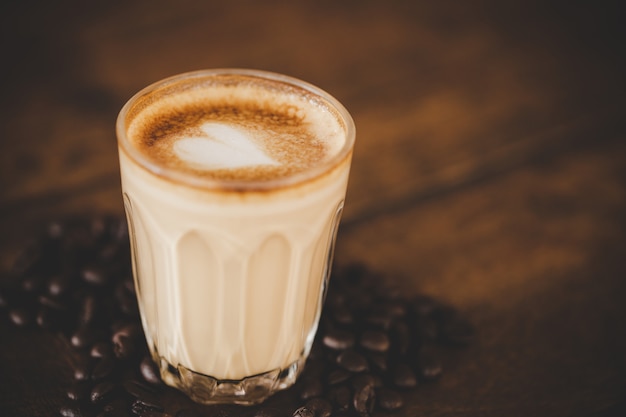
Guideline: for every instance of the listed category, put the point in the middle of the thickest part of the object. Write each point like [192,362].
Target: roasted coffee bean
[123,346]
[380,319]
[429,366]
[79,391]
[338,376]
[70,411]
[378,361]
[21,316]
[303,412]
[47,318]
[101,391]
[140,390]
[126,300]
[352,361]
[364,400]
[149,370]
[127,328]
[388,399]
[101,349]
[103,368]
[94,275]
[400,338]
[338,339]
[28,260]
[59,284]
[51,302]
[117,407]
[142,406]
[427,329]
[33,282]
[403,376]
[320,407]
[88,309]
[360,380]
[85,336]
[342,315]
[82,369]
[341,397]
[311,387]
[374,340]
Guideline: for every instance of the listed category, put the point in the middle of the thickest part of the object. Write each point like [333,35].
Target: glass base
[251,390]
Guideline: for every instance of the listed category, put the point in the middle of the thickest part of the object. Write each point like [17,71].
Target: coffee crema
[235,127]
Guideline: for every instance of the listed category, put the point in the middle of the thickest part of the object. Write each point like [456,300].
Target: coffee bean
[364,400]
[429,366]
[388,399]
[338,339]
[338,376]
[70,411]
[378,361]
[85,336]
[47,318]
[101,391]
[403,376]
[150,371]
[342,315]
[341,396]
[400,338]
[79,391]
[352,361]
[103,368]
[33,282]
[82,369]
[88,309]
[311,387]
[320,407]
[59,284]
[123,346]
[117,407]
[140,390]
[303,412]
[142,406]
[51,302]
[375,340]
[21,316]
[101,349]
[94,275]
[28,260]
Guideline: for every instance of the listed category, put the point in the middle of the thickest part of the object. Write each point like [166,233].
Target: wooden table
[489,171]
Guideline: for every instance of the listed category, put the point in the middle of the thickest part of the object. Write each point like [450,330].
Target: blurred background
[489,170]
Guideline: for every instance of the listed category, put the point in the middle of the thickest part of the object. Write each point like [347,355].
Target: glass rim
[195,181]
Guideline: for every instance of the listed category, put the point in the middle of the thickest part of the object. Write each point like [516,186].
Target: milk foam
[236,128]
[222,147]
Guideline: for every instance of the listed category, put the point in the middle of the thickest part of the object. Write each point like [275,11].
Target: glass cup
[231,247]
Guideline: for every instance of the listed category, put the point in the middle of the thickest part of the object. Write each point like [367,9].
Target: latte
[233,184]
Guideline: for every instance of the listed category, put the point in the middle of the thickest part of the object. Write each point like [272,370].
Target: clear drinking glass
[231,271]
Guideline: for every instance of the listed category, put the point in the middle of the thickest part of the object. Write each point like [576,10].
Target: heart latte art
[221,147]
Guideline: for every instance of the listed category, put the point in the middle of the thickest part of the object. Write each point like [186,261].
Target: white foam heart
[223,147]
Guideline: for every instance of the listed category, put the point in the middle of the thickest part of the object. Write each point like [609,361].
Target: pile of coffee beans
[373,345]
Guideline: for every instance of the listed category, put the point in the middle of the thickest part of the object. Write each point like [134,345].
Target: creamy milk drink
[233,184]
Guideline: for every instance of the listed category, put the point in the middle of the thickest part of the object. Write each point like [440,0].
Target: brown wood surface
[489,170]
